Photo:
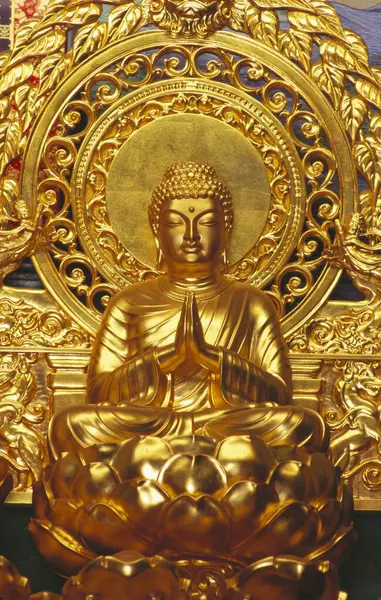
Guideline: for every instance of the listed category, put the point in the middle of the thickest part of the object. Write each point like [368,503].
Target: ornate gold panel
[95,103]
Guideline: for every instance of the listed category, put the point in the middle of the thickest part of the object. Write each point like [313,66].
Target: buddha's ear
[225,259]
[159,254]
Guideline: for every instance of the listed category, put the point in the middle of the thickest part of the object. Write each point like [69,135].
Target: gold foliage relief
[22,441]
[23,325]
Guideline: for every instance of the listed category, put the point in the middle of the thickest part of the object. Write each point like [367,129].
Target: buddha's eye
[172,222]
[208,222]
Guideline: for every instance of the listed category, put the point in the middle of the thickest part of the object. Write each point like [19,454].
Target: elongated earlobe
[225,260]
[159,260]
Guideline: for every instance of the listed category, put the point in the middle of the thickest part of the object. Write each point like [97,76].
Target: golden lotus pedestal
[234,519]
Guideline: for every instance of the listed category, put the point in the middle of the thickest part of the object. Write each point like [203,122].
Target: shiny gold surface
[188,447]
[192,443]
[70,71]
[193,350]
[129,574]
[185,137]
[299,286]
[237,501]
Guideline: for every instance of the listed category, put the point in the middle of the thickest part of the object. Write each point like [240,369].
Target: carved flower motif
[237,499]
[189,17]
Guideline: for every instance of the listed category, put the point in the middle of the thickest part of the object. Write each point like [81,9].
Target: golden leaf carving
[368,159]
[9,193]
[42,46]
[369,91]
[10,133]
[55,6]
[47,64]
[5,107]
[4,59]
[58,73]
[263,26]
[324,19]
[285,4]
[330,80]
[123,20]
[89,39]
[357,45]
[15,76]
[21,96]
[338,55]
[24,32]
[297,46]
[237,18]
[76,13]
[375,126]
[353,112]
[252,19]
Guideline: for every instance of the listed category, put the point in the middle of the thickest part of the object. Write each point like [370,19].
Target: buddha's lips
[191,248]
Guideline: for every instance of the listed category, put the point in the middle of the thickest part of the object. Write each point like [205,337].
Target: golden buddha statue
[192,351]
[189,446]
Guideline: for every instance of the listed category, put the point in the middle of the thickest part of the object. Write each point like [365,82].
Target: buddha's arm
[265,376]
[120,372]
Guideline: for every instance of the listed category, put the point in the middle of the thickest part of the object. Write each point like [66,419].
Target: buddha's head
[191,215]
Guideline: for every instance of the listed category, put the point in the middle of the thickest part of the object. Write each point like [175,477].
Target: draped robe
[129,395]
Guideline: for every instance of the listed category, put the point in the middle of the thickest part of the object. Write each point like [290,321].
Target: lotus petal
[288,578]
[103,531]
[346,499]
[194,444]
[336,550]
[325,475]
[245,504]
[193,474]
[197,526]
[40,500]
[62,474]
[94,483]
[284,453]
[66,553]
[330,516]
[125,575]
[291,530]
[98,453]
[246,458]
[62,513]
[12,584]
[142,502]
[294,481]
[140,458]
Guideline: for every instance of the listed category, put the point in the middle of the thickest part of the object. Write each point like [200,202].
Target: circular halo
[59,287]
[186,138]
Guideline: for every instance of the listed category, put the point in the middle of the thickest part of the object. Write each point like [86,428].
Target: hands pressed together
[189,344]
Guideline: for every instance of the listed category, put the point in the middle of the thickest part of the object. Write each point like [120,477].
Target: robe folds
[128,394]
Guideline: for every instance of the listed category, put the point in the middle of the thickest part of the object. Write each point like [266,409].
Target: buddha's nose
[191,233]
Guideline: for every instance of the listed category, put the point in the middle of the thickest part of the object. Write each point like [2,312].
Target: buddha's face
[192,232]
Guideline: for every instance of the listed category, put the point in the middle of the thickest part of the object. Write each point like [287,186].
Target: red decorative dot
[34,80]
[16,164]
